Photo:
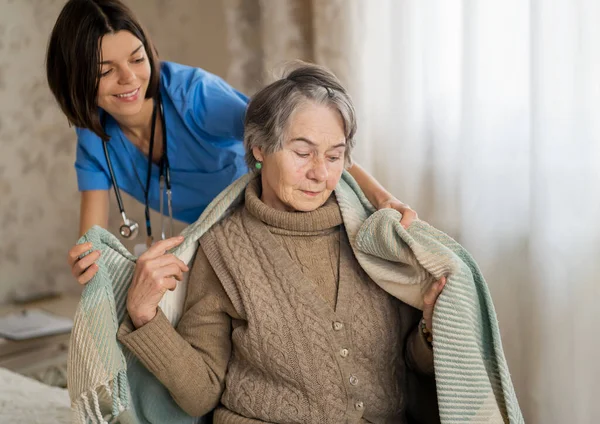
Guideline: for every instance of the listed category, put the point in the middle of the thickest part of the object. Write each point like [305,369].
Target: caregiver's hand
[408,215]
[429,300]
[85,268]
[156,272]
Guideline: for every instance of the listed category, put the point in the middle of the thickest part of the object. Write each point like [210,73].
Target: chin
[125,110]
[130,109]
[304,208]
[308,206]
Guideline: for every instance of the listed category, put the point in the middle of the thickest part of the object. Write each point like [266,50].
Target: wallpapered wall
[39,202]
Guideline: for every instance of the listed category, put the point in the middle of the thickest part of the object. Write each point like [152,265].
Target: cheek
[290,180]
[103,87]
[295,171]
[145,71]
[335,173]
[104,90]
[297,164]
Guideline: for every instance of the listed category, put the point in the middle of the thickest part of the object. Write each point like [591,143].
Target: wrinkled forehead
[315,124]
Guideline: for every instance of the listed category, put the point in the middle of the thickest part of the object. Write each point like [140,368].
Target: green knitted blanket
[107,384]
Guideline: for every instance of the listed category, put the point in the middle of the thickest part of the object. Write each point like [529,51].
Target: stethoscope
[129,228]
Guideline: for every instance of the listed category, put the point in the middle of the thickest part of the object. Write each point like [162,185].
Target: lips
[128,95]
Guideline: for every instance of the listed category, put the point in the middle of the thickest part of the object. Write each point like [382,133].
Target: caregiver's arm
[379,196]
[93,211]
[191,361]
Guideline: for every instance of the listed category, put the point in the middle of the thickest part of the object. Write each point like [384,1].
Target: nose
[126,75]
[318,171]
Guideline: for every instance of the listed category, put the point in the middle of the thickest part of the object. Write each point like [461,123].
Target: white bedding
[27,401]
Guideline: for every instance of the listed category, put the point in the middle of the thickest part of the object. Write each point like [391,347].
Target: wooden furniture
[42,358]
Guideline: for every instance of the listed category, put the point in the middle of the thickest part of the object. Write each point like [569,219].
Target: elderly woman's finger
[160,247]
[168,259]
[170,283]
[171,270]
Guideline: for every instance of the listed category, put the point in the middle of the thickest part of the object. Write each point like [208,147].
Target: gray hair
[269,110]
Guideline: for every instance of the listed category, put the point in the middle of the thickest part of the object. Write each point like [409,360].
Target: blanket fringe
[87,408]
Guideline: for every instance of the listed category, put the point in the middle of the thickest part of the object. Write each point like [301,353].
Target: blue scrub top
[205,125]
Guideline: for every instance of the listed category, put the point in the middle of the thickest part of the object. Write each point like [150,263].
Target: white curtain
[484,116]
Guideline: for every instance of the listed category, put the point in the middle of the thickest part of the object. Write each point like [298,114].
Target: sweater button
[344,353]
[359,406]
[337,326]
[353,380]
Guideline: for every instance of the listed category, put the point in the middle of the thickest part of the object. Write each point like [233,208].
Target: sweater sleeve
[191,361]
[419,354]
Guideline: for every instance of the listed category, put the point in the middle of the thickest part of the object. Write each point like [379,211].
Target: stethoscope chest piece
[129,229]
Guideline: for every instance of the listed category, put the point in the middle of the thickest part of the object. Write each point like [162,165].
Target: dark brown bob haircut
[74,55]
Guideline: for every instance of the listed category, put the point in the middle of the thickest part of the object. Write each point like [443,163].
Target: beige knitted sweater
[281,324]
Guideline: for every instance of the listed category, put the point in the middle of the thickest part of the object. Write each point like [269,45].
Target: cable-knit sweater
[281,324]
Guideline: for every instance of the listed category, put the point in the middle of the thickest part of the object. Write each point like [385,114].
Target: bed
[27,401]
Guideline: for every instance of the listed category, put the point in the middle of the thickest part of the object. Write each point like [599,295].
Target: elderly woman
[280,323]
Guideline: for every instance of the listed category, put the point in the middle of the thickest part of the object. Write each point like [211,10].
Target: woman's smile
[129,96]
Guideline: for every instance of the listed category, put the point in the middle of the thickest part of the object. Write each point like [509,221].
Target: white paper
[33,323]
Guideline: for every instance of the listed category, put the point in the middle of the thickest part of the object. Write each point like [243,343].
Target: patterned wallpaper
[39,202]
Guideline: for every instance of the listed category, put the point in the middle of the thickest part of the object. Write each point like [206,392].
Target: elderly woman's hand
[156,272]
[408,215]
[429,301]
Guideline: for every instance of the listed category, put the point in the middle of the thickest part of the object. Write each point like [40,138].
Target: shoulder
[225,226]
[176,77]
[182,82]
[91,143]
[85,136]
[205,100]
[88,142]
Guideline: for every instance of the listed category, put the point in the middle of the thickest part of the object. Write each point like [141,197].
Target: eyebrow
[312,143]
[107,62]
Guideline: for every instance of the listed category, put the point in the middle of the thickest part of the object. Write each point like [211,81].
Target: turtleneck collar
[323,218]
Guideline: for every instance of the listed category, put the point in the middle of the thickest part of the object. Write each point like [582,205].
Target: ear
[258,154]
